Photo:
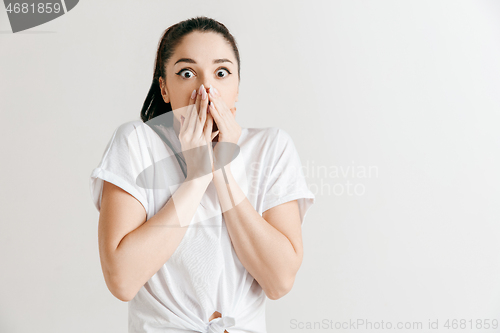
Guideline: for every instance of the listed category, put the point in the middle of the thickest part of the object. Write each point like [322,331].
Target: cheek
[230,100]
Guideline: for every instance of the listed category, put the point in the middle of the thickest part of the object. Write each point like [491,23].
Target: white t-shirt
[204,274]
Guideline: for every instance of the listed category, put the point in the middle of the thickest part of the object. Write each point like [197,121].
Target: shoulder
[134,132]
[128,127]
[127,136]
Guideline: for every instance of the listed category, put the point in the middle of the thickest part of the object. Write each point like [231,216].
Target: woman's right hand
[194,133]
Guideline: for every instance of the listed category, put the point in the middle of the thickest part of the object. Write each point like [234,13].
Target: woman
[200,219]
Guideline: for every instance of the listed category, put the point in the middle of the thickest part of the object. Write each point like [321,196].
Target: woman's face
[201,58]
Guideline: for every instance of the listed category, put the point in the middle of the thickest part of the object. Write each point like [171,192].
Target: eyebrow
[191,61]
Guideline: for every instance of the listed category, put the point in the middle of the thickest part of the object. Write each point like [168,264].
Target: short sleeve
[285,179]
[121,163]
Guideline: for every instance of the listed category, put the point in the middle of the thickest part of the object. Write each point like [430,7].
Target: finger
[192,121]
[196,108]
[207,129]
[206,133]
[185,122]
[211,134]
[221,106]
[194,113]
[198,99]
[214,134]
[192,101]
[221,123]
[187,110]
[217,100]
[203,113]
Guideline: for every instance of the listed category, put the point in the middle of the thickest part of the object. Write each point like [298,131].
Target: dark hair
[154,105]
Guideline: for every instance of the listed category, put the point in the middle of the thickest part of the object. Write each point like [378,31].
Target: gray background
[410,88]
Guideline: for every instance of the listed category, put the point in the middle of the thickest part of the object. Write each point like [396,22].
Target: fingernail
[216,91]
[203,94]
[200,89]
[193,94]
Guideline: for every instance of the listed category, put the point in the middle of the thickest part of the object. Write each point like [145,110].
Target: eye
[185,70]
[221,71]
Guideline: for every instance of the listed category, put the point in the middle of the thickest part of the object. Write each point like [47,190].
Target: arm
[269,247]
[132,249]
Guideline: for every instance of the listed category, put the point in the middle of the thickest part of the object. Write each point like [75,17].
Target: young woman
[200,219]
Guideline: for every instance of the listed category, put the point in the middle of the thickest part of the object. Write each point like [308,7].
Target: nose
[206,85]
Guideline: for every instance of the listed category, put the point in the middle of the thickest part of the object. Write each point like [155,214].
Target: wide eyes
[220,72]
[182,72]
[187,73]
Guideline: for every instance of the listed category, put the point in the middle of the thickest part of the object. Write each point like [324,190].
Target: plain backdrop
[394,108]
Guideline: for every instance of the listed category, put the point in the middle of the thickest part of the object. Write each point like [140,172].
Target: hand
[206,118]
[196,136]
[229,130]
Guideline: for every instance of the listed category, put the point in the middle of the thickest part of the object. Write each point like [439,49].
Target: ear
[164,92]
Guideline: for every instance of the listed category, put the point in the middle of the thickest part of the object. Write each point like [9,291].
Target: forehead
[203,47]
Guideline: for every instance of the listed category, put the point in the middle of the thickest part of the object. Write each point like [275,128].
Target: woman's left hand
[224,117]
[229,130]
